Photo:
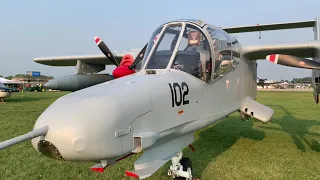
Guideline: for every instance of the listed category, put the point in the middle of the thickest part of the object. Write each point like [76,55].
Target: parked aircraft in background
[264,82]
[5,92]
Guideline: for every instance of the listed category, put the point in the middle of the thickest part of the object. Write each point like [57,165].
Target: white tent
[7,81]
[3,80]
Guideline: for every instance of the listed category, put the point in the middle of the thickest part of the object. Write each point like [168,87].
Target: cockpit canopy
[185,46]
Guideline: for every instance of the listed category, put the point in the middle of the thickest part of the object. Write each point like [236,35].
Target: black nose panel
[46,148]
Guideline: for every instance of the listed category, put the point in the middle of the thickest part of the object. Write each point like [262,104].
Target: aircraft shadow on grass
[298,129]
[219,138]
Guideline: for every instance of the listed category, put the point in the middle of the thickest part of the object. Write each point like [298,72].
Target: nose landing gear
[181,167]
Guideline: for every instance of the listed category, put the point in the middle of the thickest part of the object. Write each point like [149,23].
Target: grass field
[287,148]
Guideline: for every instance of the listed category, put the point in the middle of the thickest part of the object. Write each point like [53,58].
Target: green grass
[287,148]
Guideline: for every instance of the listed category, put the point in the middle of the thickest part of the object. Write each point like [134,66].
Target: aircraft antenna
[259,32]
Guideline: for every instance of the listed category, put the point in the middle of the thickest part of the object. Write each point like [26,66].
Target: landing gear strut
[181,167]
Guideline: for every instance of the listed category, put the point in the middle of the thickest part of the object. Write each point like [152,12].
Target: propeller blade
[293,61]
[106,51]
[139,57]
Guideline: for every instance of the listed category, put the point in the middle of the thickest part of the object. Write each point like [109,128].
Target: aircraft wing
[88,59]
[72,60]
[303,49]
[152,159]
[270,27]
[255,52]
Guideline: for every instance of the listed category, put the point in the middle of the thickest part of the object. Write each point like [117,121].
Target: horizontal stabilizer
[293,61]
[30,135]
[256,110]
[152,159]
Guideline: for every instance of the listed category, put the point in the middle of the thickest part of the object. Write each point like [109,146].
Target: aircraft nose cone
[52,84]
[78,131]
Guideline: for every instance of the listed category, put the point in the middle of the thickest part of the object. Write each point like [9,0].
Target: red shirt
[122,71]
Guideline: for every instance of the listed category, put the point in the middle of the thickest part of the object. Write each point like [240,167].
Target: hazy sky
[32,28]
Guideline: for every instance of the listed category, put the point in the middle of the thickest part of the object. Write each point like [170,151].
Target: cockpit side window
[223,49]
[193,55]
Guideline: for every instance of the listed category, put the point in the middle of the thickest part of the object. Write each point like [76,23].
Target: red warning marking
[156,38]
[97,39]
[98,169]
[272,57]
[302,63]
[131,174]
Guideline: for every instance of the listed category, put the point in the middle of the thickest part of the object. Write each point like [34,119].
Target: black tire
[186,163]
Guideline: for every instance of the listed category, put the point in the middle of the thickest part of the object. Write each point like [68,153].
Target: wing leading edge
[89,59]
[302,49]
[269,27]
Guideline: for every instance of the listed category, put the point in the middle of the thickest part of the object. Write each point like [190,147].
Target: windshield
[164,46]
[192,55]
[149,47]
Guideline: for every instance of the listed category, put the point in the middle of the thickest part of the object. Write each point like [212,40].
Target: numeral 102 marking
[179,93]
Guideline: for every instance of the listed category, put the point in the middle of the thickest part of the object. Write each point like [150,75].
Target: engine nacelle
[77,82]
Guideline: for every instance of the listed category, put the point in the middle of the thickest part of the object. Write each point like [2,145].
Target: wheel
[187,166]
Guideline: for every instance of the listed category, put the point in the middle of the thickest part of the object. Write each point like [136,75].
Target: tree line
[25,76]
[302,80]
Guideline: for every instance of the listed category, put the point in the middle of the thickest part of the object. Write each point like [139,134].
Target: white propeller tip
[273,58]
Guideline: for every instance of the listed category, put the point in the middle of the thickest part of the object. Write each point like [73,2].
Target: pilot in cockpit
[197,42]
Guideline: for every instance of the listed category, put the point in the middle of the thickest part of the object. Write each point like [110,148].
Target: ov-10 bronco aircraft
[188,76]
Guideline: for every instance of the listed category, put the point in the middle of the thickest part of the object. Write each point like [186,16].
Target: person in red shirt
[123,68]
